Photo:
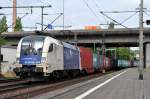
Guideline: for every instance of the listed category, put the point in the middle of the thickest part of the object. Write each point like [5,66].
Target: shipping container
[92,27]
[86,56]
[71,57]
[123,63]
[113,64]
[101,62]
[105,63]
[96,62]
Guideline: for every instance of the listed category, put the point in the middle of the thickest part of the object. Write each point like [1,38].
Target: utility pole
[141,41]
[75,39]
[103,52]
[14,14]
[42,7]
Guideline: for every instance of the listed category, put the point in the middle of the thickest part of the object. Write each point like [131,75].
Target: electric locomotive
[43,56]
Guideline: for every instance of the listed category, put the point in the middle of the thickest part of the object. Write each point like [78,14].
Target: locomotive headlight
[43,60]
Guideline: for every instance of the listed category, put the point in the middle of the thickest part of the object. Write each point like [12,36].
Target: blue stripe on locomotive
[30,59]
[71,57]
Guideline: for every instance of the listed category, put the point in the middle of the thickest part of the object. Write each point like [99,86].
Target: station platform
[123,84]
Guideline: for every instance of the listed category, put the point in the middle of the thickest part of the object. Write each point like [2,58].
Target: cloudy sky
[78,13]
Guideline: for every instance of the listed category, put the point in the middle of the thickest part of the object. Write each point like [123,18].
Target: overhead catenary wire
[146,13]
[53,14]
[91,10]
[17,13]
[97,6]
[118,23]
[55,20]
[113,19]
[14,23]
[42,2]
[119,11]
[129,17]
[1,7]
[38,15]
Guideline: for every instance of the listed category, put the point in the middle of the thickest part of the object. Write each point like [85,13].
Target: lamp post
[42,7]
[141,40]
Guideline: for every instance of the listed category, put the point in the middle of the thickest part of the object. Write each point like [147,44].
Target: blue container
[71,57]
[123,63]
[96,61]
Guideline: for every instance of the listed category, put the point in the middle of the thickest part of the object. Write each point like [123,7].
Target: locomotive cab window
[32,46]
[50,48]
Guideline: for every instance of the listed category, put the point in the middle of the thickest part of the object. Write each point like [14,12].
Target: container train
[46,57]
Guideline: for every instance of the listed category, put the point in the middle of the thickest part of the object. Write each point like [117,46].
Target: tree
[111,25]
[3,25]
[124,53]
[3,28]
[18,26]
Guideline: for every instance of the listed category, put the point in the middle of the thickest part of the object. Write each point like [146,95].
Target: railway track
[33,89]
[12,85]
[10,80]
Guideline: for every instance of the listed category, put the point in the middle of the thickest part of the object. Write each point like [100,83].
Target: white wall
[9,58]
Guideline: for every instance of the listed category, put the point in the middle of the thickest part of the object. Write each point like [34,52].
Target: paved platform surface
[123,86]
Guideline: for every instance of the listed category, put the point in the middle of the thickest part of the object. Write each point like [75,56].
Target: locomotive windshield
[31,50]
[32,46]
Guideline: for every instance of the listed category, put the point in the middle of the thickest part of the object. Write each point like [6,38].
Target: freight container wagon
[113,64]
[107,63]
[96,62]
[123,63]
[86,56]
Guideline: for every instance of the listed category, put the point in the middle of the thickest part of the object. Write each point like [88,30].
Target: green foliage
[3,25]
[18,26]
[124,53]
[2,41]
[111,25]
[3,28]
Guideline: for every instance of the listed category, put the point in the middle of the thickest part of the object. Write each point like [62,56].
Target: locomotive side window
[50,48]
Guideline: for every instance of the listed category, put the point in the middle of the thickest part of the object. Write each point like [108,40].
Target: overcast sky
[78,13]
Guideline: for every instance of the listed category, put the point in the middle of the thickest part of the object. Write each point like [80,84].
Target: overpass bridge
[113,38]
